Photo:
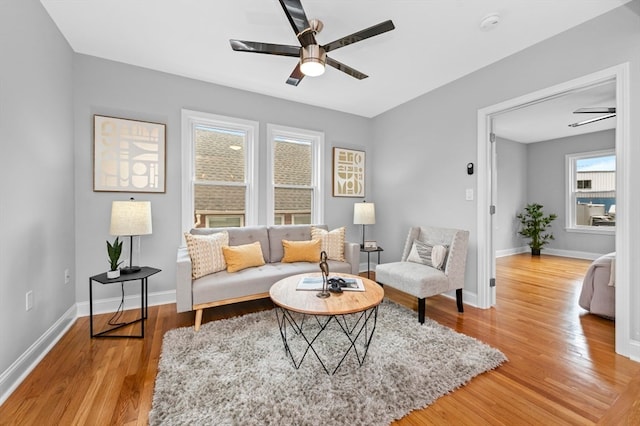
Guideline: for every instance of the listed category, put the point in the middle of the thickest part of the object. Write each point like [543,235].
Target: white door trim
[486,295]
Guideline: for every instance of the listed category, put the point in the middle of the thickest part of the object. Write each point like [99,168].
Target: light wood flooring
[562,368]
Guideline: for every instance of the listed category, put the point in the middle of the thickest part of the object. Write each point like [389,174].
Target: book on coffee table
[315,283]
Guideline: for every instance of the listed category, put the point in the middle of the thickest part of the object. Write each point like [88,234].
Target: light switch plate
[469,194]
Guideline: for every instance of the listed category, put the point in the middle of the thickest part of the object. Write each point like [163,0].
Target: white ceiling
[550,119]
[434,43]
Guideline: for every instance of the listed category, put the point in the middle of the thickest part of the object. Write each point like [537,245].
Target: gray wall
[422,146]
[417,154]
[36,188]
[546,185]
[511,165]
[535,173]
[111,88]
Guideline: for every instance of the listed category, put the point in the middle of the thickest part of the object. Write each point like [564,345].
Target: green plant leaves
[534,224]
[114,250]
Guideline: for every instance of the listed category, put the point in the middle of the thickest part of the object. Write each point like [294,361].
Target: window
[295,192]
[218,171]
[584,184]
[591,191]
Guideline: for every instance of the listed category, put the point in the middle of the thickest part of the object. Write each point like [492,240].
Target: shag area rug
[236,372]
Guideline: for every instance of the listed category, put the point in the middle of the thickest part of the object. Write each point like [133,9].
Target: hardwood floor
[562,368]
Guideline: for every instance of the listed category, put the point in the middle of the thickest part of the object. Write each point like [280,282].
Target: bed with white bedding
[598,295]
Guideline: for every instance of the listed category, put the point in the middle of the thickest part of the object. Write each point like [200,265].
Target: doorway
[487,189]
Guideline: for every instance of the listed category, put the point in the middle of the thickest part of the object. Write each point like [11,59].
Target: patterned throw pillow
[433,255]
[243,256]
[330,242]
[301,251]
[206,253]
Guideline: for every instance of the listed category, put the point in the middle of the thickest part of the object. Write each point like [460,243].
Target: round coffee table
[304,319]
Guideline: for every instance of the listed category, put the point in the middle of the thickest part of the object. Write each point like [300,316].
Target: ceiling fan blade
[595,110]
[592,120]
[346,69]
[299,22]
[375,30]
[268,48]
[296,76]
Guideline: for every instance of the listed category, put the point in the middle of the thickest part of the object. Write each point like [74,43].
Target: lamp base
[130,270]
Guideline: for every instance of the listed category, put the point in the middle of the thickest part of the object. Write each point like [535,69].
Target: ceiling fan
[608,112]
[313,56]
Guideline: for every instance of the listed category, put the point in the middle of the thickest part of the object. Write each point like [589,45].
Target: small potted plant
[114,250]
[534,226]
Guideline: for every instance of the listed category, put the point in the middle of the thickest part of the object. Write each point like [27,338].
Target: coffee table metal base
[357,327]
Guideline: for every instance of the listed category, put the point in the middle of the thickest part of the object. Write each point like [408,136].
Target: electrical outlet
[67,276]
[29,300]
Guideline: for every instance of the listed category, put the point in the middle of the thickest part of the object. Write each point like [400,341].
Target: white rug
[236,372]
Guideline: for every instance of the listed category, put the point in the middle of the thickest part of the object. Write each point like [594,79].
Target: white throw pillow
[206,253]
[433,255]
[331,242]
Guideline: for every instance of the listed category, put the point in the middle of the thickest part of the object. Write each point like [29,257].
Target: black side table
[142,275]
[369,251]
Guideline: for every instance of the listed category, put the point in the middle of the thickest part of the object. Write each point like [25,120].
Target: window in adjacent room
[218,155]
[294,165]
[591,191]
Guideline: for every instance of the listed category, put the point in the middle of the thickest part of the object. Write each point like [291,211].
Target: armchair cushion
[428,254]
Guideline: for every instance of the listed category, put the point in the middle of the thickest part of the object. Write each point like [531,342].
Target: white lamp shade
[364,213]
[130,218]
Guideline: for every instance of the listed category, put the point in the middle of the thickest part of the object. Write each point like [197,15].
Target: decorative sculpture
[324,267]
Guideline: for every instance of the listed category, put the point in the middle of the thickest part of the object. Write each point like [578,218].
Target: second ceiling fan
[313,56]
[608,112]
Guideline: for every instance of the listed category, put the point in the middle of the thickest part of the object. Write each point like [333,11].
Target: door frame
[486,259]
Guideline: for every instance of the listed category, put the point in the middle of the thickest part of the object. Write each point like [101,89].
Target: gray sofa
[223,288]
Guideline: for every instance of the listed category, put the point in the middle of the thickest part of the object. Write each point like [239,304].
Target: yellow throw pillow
[331,242]
[206,253]
[242,257]
[301,251]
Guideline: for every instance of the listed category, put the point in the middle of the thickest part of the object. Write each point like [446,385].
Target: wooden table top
[284,294]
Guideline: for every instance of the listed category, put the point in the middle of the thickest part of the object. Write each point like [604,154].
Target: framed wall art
[128,155]
[348,172]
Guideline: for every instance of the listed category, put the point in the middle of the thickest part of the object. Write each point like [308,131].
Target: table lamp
[364,214]
[130,218]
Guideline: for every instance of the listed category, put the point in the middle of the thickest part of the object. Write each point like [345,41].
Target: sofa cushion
[277,233]
[224,285]
[332,242]
[206,253]
[243,256]
[243,235]
[301,251]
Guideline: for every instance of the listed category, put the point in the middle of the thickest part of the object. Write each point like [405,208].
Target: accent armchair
[433,262]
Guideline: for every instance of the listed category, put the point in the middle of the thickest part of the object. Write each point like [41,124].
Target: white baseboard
[105,306]
[468,298]
[634,350]
[11,378]
[511,251]
[551,252]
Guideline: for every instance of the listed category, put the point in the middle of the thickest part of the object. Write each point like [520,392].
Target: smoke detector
[489,22]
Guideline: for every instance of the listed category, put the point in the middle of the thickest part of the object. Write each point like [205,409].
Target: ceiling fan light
[312,68]
[312,60]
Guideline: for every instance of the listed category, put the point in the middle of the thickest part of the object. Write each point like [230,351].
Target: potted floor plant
[114,250]
[534,224]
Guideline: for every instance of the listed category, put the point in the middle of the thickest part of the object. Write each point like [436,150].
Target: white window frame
[191,119]
[317,149]
[570,194]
